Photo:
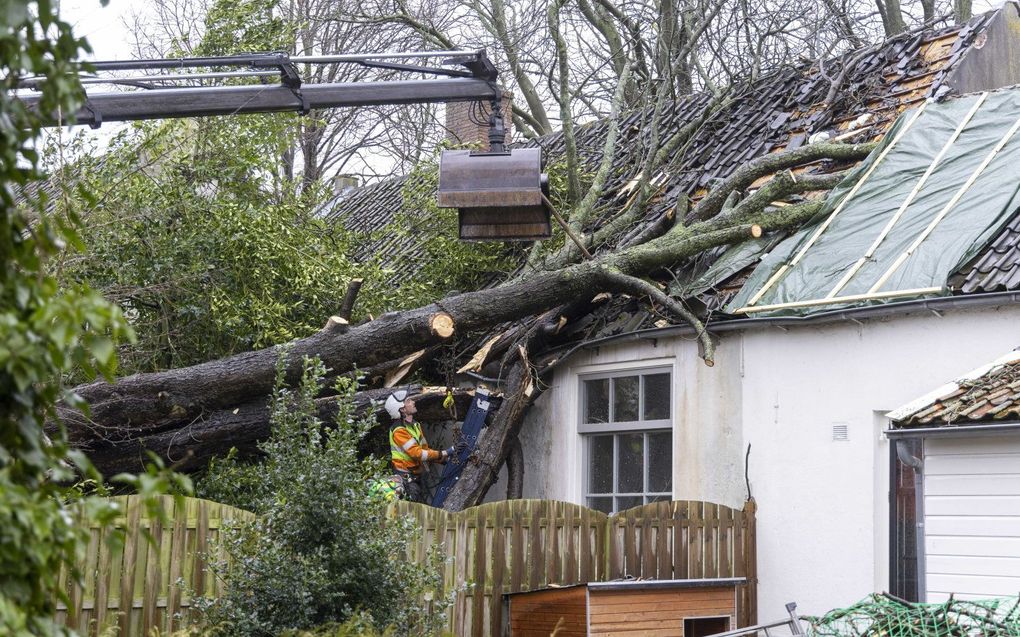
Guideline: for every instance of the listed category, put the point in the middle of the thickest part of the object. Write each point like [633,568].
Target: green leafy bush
[321,550]
[200,245]
[46,330]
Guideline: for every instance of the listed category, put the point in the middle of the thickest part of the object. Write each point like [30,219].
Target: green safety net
[950,234]
[886,616]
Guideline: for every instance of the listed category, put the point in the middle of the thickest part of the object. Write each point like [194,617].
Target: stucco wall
[822,504]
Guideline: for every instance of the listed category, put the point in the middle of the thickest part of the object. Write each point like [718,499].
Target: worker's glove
[454,449]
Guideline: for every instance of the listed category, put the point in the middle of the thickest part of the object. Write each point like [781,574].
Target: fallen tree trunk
[189,447]
[221,403]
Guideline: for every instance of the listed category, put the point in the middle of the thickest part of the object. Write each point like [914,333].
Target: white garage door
[972,517]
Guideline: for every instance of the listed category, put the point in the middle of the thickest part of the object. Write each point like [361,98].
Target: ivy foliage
[201,244]
[321,551]
[45,330]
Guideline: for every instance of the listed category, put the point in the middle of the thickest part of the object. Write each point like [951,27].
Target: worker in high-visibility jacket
[409,451]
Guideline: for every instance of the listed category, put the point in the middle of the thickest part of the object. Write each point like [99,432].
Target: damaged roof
[988,394]
[779,111]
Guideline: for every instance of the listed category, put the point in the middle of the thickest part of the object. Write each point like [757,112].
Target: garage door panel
[972,546]
[972,505]
[989,484]
[972,517]
[985,585]
[971,464]
[961,565]
[958,446]
[973,525]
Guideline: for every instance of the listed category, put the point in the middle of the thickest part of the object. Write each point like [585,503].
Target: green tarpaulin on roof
[971,190]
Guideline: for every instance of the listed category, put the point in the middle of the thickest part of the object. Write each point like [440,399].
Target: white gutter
[954,431]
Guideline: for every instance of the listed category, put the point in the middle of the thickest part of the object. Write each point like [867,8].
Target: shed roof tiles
[989,393]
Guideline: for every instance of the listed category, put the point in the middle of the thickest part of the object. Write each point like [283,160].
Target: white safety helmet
[394,403]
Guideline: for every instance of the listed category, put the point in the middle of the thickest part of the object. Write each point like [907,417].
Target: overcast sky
[104,27]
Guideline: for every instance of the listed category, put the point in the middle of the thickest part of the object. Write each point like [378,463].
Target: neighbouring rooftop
[988,394]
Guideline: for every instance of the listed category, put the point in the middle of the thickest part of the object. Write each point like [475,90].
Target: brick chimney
[468,122]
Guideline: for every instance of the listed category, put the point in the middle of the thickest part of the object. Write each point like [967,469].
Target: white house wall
[822,505]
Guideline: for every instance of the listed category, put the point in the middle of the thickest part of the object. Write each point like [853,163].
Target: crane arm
[164,98]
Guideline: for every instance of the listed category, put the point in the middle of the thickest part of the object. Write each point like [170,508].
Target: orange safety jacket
[409,451]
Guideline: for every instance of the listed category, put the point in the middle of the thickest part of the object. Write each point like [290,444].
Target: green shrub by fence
[521,545]
[145,585]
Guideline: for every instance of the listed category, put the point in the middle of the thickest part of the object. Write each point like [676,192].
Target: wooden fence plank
[725,551]
[496,584]
[536,563]
[177,539]
[518,547]
[695,532]
[630,540]
[663,558]
[552,542]
[711,517]
[751,561]
[570,546]
[153,577]
[681,539]
[479,557]
[647,545]
[107,554]
[585,547]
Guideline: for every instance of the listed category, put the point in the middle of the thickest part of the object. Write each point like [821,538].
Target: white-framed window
[627,427]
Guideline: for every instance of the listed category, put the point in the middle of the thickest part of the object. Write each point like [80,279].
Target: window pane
[656,397]
[601,504]
[625,398]
[658,498]
[660,462]
[600,466]
[630,463]
[628,502]
[596,400]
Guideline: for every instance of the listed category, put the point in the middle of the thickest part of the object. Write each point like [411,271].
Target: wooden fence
[147,581]
[522,545]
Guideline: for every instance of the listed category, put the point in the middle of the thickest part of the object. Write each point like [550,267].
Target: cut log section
[442,325]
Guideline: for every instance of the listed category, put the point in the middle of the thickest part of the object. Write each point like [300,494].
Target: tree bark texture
[515,470]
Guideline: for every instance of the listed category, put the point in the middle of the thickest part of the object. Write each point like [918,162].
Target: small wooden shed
[675,608]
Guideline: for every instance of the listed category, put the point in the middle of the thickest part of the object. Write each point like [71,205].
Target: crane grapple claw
[499,196]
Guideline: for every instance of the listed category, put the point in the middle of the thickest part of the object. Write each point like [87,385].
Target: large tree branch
[766,165]
[640,287]
[563,98]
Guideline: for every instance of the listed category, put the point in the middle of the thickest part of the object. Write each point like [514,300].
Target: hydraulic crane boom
[499,195]
[164,96]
